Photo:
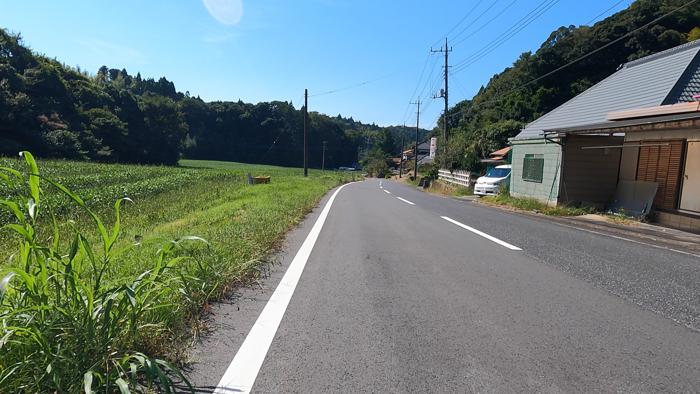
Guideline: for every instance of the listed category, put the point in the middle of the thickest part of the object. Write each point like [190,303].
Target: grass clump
[461,191]
[65,327]
[530,204]
[105,297]
[451,190]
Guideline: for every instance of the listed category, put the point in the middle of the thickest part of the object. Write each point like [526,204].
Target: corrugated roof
[688,85]
[671,75]
[502,152]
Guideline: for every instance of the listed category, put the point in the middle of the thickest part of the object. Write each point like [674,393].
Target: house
[498,157]
[423,152]
[642,123]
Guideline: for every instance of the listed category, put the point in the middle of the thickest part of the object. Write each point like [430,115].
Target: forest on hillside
[511,99]
[112,116]
[59,111]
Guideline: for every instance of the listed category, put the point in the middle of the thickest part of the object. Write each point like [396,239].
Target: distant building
[423,152]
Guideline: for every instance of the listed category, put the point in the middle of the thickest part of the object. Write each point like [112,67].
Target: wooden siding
[660,162]
[628,162]
[590,175]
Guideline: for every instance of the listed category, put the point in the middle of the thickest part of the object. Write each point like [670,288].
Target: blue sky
[262,50]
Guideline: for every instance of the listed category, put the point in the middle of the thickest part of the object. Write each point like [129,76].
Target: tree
[694,34]
[375,163]
[165,128]
[518,94]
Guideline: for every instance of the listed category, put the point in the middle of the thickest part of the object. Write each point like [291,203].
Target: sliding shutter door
[660,162]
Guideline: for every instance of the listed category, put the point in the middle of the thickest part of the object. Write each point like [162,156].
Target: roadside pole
[306,115]
[323,160]
[403,143]
[415,151]
[445,92]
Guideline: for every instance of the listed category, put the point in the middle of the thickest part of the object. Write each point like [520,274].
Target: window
[497,173]
[533,167]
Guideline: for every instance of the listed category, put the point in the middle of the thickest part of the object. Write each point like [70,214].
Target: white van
[491,183]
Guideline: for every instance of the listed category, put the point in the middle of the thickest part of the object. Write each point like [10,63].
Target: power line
[363,83]
[486,23]
[604,12]
[420,79]
[475,20]
[415,152]
[582,57]
[521,24]
[461,87]
[478,3]
[515,28]
[445,92]
[429,82]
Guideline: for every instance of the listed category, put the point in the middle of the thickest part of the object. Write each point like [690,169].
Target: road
[404,291]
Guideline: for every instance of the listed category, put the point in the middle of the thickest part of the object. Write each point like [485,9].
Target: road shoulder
[640,232]
[650,234]
[229,321]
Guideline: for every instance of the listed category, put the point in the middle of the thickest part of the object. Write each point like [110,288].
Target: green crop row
[102,297]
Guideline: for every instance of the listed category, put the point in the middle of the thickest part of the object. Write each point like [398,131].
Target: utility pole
[323,161]
[306,147]
[403,143]
[415,152]
[445,92]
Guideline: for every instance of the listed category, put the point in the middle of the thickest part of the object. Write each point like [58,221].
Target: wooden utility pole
[306,147]
[403,143]
[323,161]
[444,93]
[415,151]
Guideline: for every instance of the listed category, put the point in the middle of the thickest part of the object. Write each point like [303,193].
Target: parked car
[491,183]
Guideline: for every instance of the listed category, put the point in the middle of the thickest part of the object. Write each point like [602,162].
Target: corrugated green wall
[548,190]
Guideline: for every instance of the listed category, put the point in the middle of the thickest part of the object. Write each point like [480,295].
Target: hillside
[57,111]
[499,110]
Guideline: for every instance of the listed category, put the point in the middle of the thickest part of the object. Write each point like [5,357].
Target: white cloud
[228,12]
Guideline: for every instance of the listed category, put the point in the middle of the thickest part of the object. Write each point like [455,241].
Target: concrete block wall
[680,222]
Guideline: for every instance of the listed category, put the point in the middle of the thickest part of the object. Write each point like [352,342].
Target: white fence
[457,177]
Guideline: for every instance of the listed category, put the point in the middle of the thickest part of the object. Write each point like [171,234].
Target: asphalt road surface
[408,292]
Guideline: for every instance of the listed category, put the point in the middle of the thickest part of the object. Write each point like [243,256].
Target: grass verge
[532,205]
[105,297]
[446,189]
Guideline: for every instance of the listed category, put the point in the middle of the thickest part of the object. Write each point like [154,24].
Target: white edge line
[628,239]
[477,232]
[406,201]
[386,191]
[243,370]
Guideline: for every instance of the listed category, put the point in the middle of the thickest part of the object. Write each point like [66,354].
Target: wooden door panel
[660,162]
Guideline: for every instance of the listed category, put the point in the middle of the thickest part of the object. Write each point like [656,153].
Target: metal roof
[599,128]
[666,77]
[501,152]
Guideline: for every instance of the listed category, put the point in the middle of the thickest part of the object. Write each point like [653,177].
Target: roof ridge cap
[664,53]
